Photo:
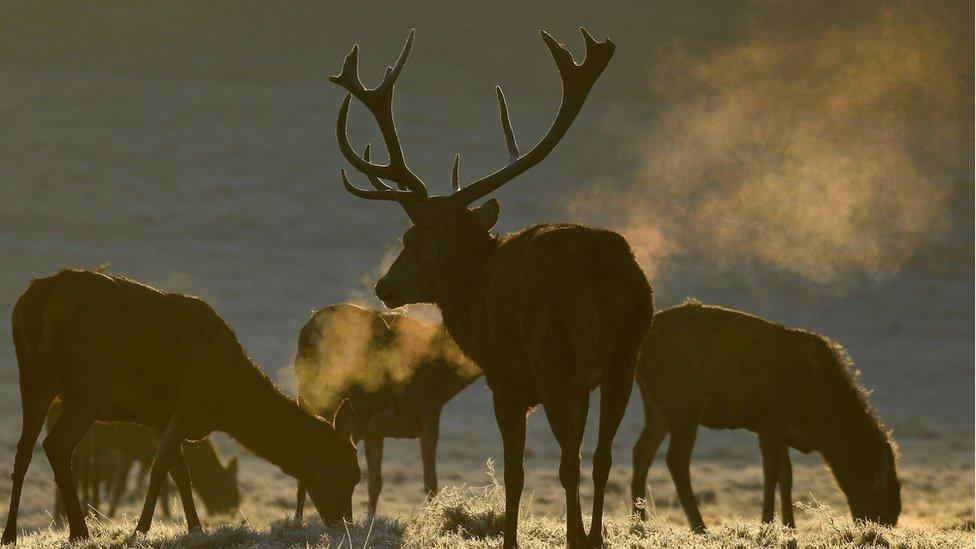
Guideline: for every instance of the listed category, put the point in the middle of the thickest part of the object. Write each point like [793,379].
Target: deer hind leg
[786,487]
[429,431]
[771,455]
[614,395]
[683,433]
[59,446]
[373,447]
[180,474]
[567,418]
[35,404]
[510,416]
[655,429]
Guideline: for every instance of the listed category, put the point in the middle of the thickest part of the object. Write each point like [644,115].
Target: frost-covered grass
[474,516]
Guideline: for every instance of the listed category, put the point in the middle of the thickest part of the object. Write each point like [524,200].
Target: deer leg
[35,406]
[81,469]
[429,431]
[770,464]
[163,501]
[300,503]
[373,447]
[567,419]
[181,477]
[614,395]
[655,429]
[679,464]
[786,487]
[165,453]
[95,471]
[117,484]
[510,416]
[59,445]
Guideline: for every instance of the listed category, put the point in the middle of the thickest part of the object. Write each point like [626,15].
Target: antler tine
[513,150]
[376,182]
[382,192]
[393,73]
[577,80]
[379,101]
[455,172]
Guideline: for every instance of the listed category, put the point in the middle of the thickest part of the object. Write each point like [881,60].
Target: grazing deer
[703,365]
[111,349]
[548,313]
[103,459]
[213,482]
[397,373]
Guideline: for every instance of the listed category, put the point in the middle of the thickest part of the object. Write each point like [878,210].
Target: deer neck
[851,447]
[463,302]
[270,424]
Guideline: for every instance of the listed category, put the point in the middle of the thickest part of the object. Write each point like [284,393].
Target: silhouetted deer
[397,372]
[213,482]
[549,313]
[111,349]
[104,457]
[703,365]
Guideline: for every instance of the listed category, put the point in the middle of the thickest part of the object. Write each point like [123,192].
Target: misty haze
[808,163]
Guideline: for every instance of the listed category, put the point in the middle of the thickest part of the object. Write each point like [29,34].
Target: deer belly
[131,403]
[394,423]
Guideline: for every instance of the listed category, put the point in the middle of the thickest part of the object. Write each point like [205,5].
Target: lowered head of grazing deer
[449,241]
[879,501]
[215,483]
[549,313]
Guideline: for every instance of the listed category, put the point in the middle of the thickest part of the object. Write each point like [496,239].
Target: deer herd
[547,314]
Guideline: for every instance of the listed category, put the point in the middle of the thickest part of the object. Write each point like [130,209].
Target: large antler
[577,82]
[379,101]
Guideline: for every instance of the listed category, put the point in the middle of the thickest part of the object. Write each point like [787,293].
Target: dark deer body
[397,372]
[548,313]
[703,365]
[114,350]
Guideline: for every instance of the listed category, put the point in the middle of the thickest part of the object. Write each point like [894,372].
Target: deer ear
[305,405]
[344,418]
[487,214]
[232,468]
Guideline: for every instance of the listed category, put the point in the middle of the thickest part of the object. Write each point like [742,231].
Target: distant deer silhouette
[705,365]
[104,457]
[549,313]
[397,372]
[111,349]
[213,482]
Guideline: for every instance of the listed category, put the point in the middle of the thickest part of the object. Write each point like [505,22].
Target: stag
[397,372]
[549,313]
[110,349]
[704,365]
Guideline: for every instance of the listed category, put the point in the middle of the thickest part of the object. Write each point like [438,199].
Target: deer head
[227,497]
[877,497]
[448,238]
[330,482]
